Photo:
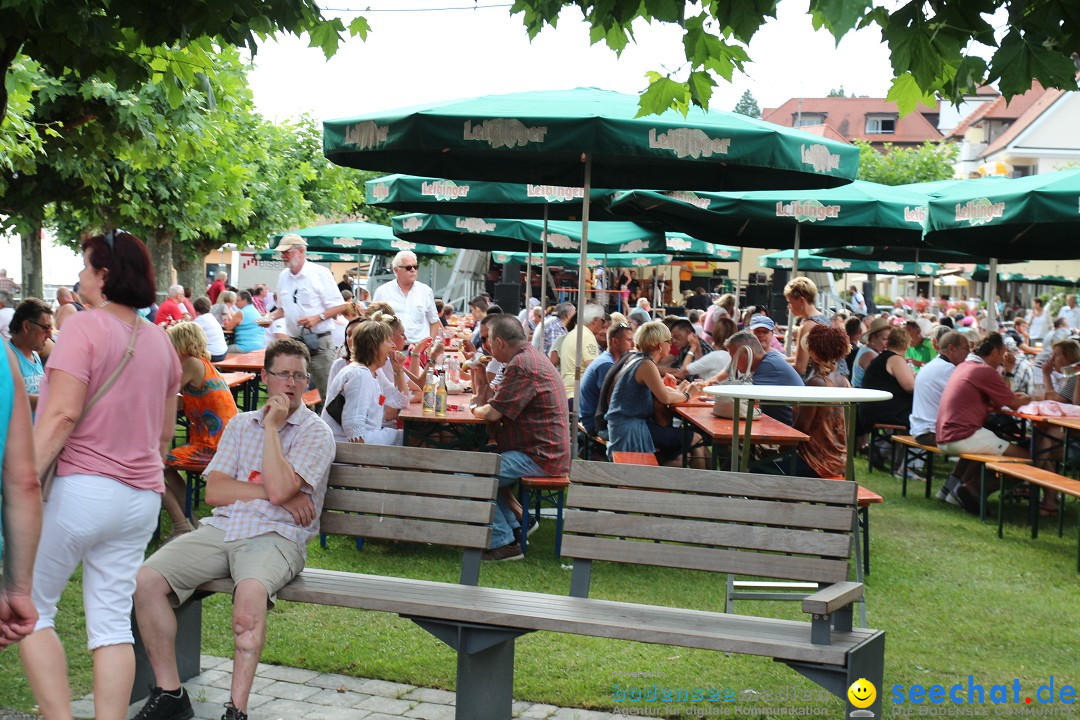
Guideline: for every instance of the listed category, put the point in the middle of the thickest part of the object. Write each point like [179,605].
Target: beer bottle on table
[429,391]
[440,394]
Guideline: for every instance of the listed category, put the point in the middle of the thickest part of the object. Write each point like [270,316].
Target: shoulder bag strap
[107,385]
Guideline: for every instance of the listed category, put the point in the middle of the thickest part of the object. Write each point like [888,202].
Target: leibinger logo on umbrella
[819,158]
[474,225]
[832,264]
[380,191]
[979,212]
[690,198]
[347,242]
[915,214]
[562,242]
[554,193]
[890,267]
[403,245]
[411,224]
[688,142]
[640,262]
[505,132]
[809,210]
[444,190]
[366,134]
[678,244]
[634,246]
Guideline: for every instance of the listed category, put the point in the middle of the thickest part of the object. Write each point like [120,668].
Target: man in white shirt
[412,300]
[857,300]
[930,383]
[309,300]
[596,320]
[1071,312]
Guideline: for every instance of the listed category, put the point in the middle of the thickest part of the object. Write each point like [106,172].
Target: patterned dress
[208,409]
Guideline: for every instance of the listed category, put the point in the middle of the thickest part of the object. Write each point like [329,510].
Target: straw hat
[876,326]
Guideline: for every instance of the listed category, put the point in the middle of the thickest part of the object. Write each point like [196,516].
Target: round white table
[794,395]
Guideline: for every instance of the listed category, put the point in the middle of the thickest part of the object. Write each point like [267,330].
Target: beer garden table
[467,432]
[251,363]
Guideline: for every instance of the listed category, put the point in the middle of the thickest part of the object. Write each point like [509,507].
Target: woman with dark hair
[825,454]
[889,371]
[361,418]
[106,495]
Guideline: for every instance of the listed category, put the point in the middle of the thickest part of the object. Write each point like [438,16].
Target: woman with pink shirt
[106,496]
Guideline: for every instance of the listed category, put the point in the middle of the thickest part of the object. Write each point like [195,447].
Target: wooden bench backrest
[420,495]
[760,525]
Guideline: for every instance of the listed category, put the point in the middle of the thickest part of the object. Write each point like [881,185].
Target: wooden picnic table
[242,362]
[467,432]
[1039,425]
[763,431]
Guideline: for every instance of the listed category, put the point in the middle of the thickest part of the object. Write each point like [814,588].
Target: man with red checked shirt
[529,423]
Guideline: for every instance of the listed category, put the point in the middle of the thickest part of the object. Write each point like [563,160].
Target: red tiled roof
[847,117]
[1033,111]
[825,131]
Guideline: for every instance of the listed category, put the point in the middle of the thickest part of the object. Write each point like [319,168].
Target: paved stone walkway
[285,693]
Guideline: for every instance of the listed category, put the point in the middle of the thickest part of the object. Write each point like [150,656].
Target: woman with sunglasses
[106,496]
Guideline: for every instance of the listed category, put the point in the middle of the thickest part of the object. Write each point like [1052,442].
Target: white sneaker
[952,499]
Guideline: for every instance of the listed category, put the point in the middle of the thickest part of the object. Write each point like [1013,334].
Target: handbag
[724,407]
[311,339]
[336,407]
[49,473]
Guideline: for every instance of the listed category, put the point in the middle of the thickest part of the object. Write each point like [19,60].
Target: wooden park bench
[1050,481]
[914,450]
[776,527]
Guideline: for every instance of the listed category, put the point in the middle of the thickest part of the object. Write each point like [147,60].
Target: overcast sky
[428,55]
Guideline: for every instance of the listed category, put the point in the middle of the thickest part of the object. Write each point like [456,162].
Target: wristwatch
[322,316]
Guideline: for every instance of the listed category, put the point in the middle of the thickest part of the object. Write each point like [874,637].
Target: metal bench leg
[928,463]
[867,662]
[523,498]
[903,471]
[864,513]
[560,499]
[485,683]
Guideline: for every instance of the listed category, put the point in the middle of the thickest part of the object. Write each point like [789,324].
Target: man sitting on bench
[973,388]
[929,386]
[266,483]
[529,423]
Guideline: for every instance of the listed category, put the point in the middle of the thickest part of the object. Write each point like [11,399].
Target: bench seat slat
[410,481]
[407,530]
[803,542]
[1038,476]
[738,510]
[712,482]
[446,461]
[393,504]
[783,567]
[783,639]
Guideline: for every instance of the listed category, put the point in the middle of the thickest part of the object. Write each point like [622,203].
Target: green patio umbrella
[573,260]
[1035,217]
[546,137]
[371,238]
[312,256]
[515,235]
[479,198]
[821,261]
[982,274]
[904,253]
[686,247]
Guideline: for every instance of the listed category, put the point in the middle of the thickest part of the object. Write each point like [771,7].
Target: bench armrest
[830,599]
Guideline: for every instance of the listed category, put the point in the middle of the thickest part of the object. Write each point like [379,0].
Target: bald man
[69,305]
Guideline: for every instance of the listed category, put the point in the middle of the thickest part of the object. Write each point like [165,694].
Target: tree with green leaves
[935,47]
[899,166]
[748,106]
[126,42]
[837,92]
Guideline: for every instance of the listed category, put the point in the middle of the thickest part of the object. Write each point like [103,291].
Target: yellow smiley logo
[862,693]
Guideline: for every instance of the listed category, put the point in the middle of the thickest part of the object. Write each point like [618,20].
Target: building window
[880,124]
[807,119]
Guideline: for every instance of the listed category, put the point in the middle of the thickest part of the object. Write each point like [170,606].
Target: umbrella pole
[543,278]
[528,282]
[794,272]
[738,290]
[991,303]
[580,326]
[915,301]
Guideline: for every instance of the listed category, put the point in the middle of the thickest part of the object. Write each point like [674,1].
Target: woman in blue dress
[637,382]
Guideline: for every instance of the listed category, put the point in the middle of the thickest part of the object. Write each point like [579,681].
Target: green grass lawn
[953,599]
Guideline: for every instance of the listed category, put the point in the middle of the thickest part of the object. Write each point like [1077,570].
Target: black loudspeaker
[756,295]
[778,303]
[508,297]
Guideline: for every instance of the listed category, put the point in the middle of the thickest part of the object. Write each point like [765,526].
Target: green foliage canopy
[900,166]
[748,105]
[933,45]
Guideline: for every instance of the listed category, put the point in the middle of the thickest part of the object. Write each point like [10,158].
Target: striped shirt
[307,444]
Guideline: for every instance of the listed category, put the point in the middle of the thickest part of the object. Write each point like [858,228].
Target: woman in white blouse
[366,394]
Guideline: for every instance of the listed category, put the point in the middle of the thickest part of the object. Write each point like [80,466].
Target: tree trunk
[160,243]
[32,284]
[191,273]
